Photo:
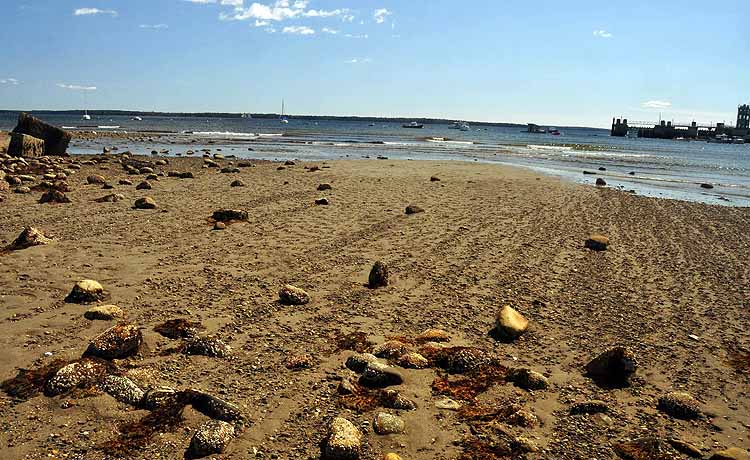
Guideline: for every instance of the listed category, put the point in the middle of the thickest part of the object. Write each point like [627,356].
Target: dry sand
[489,236]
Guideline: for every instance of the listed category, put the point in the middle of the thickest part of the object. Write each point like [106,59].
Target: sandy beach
[672,287]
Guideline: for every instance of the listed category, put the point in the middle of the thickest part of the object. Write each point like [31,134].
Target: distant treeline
[131,113]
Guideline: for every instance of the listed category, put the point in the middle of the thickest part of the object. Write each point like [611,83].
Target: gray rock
[681,405]
[78,374]
[358,362]
[145,203]
[213,407]
[379,275]
[104,313]
[380,376]
[385,423]
[207,346]
[86,291]
[117,342]
[614,366]
[527,379]
[212,437]
[344,440]
[122,389]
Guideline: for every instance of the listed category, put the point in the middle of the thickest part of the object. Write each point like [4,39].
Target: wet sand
[672,286]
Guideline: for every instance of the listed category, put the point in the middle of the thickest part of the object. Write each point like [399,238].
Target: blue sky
[548,62]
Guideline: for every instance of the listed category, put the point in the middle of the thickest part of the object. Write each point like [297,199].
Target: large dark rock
[56,140]
[379,275]
[614,366]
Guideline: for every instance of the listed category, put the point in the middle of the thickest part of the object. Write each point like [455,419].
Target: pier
[663,129]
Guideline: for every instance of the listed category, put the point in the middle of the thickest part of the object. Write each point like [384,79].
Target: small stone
[117,342]
[523,418]
[211,437]
[145,203]
[292,295]
[111,198]
[589,407]
[393,399]
[464,359]
[324,187]
[237,183]
[146,170]
[322,202]
[78,374]
[22,190]
[213,407]
[96,179]
[614,366]
[733,453]
[379,375]
[707,186]
[54,196]
[289,163]
[207,346]
[145,185]
[385,423]
[122,389]
[433,335]
[510,324]
[379,275]
[226,215]
[680,405]
[391,349]
[413,361]
[186,175]
[597,243]
[298,362]
[434,179]
[160,397]
[686,448]
[29,237]
[220,226]
[108,186]
[86,291]
[104,312]
[173,174]
[230,170]
[525,445]
[447,404]
[600,182]
[528,379]
[647,448]
[344,440]
[125,182]
[412,209]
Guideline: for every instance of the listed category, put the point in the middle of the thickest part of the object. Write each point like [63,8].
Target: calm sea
[661,168]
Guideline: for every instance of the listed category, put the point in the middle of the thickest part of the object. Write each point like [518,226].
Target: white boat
[455,125]
[136,118]
[464,127]
[283,118]
[86,115]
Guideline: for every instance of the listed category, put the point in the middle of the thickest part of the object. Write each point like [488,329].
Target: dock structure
[670,130]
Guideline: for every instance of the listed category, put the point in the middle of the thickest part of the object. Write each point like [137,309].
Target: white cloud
[328,30]
[656,105]
[298,30]
[201,1]
[347,17]
[153,26]
[359,61]
[77,87]
[280,10]
[356,36]
[381,14]
[90,11]
[234,3]
[601,33]
[9,81]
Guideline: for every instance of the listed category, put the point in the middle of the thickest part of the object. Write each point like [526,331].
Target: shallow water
[662,168]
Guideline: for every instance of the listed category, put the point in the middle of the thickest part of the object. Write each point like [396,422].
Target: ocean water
[661,168]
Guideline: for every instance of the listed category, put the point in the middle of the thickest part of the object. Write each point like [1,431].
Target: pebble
[122,389]
[510,324]
[145,203]
[86,291]
[344,440]
[292,295]
[385,423]
[211,437]
[207,346]
[104,312]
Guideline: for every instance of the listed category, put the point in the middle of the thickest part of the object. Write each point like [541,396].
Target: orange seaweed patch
[473,384]
[29,382]
[355,341]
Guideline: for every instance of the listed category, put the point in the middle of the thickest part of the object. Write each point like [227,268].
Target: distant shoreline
[132,113]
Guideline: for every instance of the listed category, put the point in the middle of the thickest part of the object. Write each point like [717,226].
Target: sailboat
[86,115]
[282,118]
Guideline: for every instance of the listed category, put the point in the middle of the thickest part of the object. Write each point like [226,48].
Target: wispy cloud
[656,105]
[280,10]
[601,33]
[76,87]
[381,14]
[235,3]
[298,30]
[9,81]
[359,61]
[201,1]
[153,26]
[91,11]
[356,36]
[328,30]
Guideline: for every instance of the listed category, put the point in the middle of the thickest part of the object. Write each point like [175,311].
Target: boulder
[23,145]
[213,407]
[386,423]
[78,374]
[379,275]
[510,324]
[146,170]
[600,182]
[55,139]
[358,362]
[707,186]
[54,195]
[211,437]
[343,442]
[230,170]
[597,242]
[29,237]
[465,359]
[117,342]
[207,346]
[104,313]
[292,295]
[527,379]
[86,291]
[686,448]
[412,209]
[145,203]
[96,179]
[226,215]
[145,185]
[237,183]
[186,175]
[681,405]
[322,202]
[378,375]
[614,366]
[125,182]
[122,389]
[391,456]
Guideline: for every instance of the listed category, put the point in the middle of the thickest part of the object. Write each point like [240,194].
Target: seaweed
[29,382]
[474,383]
[355,341]
[179,328]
